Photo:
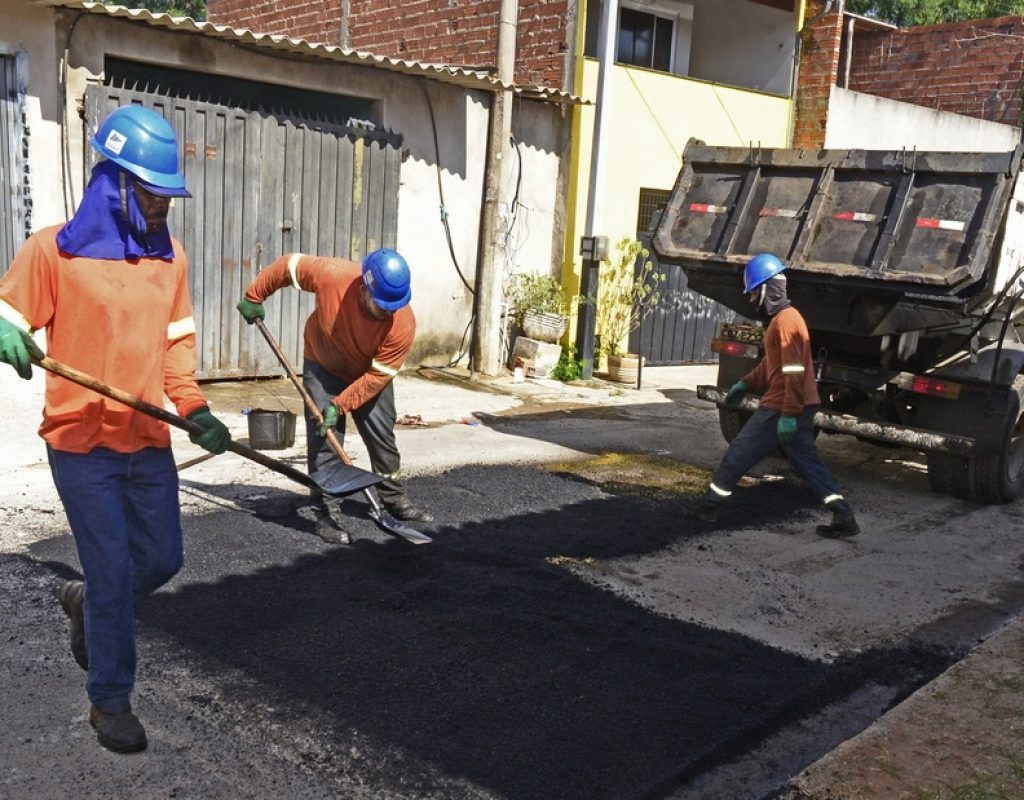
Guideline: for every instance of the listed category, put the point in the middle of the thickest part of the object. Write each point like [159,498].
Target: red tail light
[734,349]
[922,384]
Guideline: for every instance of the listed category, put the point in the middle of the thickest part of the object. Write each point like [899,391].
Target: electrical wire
[440,190]
[65,122]
[464,348]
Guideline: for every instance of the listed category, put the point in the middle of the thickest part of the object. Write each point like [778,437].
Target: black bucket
[271,430]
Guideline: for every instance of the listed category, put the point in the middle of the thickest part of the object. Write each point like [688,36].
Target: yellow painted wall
[654,114]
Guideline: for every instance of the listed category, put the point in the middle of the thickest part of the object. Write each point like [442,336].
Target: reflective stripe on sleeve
[719,492]
[13,316]
[383,368]
[180,328]
[293,269]
[832,498]
[791,368]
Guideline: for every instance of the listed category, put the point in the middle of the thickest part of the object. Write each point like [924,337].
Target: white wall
[857,120]
[741,43]
[27,34]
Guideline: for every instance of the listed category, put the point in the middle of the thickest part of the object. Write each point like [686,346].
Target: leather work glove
[786,429]
[215,438]
[736,392]
[331,417]
[14,349]
[251,311]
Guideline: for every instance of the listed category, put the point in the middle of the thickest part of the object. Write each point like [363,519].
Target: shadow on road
[479,656]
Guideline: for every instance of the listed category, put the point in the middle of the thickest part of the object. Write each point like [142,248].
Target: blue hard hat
[142,142]
[760,269]
[386,275]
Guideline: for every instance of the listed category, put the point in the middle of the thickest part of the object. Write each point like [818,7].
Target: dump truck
[909,269]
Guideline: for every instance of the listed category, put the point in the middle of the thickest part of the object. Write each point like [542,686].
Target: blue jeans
[375,421]
[124,514]
[759,438]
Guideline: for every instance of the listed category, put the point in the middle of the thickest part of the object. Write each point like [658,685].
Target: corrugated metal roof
[459,76]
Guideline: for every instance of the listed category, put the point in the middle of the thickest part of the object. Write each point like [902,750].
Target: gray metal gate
[13,219]
[264,186]
[679,329]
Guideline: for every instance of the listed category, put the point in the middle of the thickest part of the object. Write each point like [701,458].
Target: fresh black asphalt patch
[472,661]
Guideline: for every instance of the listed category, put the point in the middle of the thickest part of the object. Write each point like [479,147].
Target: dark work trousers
[375,421]
[124,514]
[759,438]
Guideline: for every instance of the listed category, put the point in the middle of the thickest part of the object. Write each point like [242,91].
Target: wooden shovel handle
[89,382]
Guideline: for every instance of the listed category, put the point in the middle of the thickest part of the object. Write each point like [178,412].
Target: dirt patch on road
[637,474]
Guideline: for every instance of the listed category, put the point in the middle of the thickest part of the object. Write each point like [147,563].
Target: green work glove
[215,438]
[786,429]
[251,311]
[736,392]
[331,417]
[14,349]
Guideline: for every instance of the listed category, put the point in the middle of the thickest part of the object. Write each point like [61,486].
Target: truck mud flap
[926,441]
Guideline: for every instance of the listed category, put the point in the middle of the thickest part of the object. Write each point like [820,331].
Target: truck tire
[948,474]
[731,421]
[999,477]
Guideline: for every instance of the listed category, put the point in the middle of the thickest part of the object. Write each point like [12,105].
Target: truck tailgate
[914,232]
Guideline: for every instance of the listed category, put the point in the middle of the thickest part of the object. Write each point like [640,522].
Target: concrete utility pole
[587,319]
[486,351]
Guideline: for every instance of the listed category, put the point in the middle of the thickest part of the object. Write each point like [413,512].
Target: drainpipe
[487,334]
[585,328]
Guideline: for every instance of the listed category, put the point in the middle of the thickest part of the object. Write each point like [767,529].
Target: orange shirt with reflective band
[786,373]
[341,335]
[129,325]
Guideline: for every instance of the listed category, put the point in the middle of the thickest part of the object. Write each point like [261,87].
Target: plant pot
[544,327]
[624,368]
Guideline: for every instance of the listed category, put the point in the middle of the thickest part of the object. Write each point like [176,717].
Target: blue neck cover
[110,225]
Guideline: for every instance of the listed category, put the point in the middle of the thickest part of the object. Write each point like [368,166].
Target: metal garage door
[13,220]
[263,186]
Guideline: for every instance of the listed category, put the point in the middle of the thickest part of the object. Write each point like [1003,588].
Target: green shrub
[568,368]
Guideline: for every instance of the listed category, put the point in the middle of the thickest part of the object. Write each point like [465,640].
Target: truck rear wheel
[948,474]
[731,421]
[996,477]
[999,477]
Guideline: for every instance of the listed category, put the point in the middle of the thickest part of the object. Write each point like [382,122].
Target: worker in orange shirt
[355,343]
[785,417]
[111,289]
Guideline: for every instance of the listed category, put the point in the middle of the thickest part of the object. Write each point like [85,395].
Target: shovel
[342,480]
[385,520]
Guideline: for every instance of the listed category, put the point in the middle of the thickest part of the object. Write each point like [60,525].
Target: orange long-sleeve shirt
[129,325]
[786,373]
[340,334]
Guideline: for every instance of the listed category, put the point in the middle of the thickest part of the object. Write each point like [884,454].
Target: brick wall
[314,20]
[819,66]
[972,68]
[458,32]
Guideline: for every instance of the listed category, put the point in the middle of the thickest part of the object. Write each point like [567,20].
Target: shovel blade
[398,528]
[343,479]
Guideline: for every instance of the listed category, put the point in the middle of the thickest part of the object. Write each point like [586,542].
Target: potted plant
[540,309]
[629,287]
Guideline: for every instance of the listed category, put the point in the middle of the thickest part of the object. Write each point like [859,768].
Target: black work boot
[328,529]
[121,731]
[71,595]
[843,523]
[404,510]
[706,509]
